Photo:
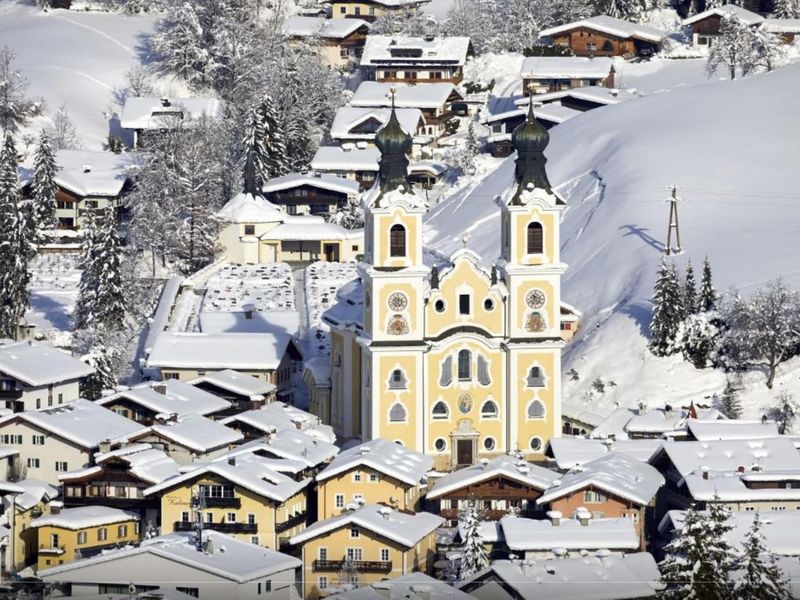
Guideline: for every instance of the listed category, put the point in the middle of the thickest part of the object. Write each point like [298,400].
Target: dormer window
[397,241]
[535,238]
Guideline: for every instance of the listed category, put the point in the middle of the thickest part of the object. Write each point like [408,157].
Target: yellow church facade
[451,358]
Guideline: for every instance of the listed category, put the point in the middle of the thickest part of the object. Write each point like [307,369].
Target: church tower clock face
[535,299]
[397,302]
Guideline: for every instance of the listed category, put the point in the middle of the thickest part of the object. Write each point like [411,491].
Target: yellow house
[459,359]
[369,10]
[242,496]
[369,544]
[24,501]
[376,471]
[74,533]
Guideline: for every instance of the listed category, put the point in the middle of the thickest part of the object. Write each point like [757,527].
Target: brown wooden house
[416,60]
[310,193]
[500,486]
[705,26]
[606,36]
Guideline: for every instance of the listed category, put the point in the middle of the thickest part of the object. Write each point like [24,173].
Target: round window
[536,444]
[489,443]
[488,304]
[439,306]
[440,444]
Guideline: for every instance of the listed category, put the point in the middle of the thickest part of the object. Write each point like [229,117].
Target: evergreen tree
[474,556]
[83,315]
[101,359]
[784,412]
[692,8]
[16,109]
[689,291]
[265,143]
[697,339]
[729,403]
[760,579]
[766,51]
[708,295]
[43,186]
[786,9]
[667,310]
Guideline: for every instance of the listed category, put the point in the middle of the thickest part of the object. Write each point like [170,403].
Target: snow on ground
[54,291]
[268,287]
[504,68]
[322,282]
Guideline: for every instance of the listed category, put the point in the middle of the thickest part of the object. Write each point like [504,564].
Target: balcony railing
[292,522]
[363,566]
[221,527]
[50,549]
[223,502]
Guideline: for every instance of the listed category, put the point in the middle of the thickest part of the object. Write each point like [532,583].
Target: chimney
[87,168]
[583,516]
[484,463]
[257,403]
[232,461]
[614,92]
[248,311]
[529,568]
[668,411]
[104,446]
[385,512]
[429,37]
[165,101]
[555,517]
[642,409]
[208,546]
[421,591]
[161,388]
[704,469]
[740,469]
[55,507]
[364,450]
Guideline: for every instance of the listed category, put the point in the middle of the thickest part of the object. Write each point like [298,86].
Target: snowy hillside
[613,165]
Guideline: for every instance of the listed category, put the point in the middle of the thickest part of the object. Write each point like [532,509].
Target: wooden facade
[547,85]
[308,199]
[584,41]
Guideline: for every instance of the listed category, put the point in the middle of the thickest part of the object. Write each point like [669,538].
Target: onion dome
[530,140]
[395,144]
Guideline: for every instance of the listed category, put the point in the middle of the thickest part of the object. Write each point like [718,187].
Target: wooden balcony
[292,522]
[223,502]
[362,566]
[251,528]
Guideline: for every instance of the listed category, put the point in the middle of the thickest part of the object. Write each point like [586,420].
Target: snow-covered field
[322,281]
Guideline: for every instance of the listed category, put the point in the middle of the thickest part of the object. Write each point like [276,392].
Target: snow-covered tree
[410,21]
[464,157]
[43,186]
[473,558]
[138,82]
[759,577]
[16,109]
[476,19]
[689,291]
[699,560]
[101,359]
[349,577]
[667,310]
[786,9]
[708,295]
[629,10]
[732,48]
[63,134]
[784,412]
[696,338]
[767,51]
[350,216]
[264,142]
[692,10]
[729,403]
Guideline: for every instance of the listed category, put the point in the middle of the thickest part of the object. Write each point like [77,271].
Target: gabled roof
[177,397]
[537,535]
[775,454]
[337,29]
[379,50]
[383,456]
[236,383]
[404,528]
[613,473]
[144,461]
[649,421]
[248,471]
[733,429]
[424,95]
[82,517]
[746,16]
[503,466]
[93,173]
[288,445]
[414,585]
[781,25]
[335,158]
[747,486]
[231,559]
[37,364]
[569,452]
[315,179]
[149,112]
[30,492]
[277,416]
[246,208]
[194,432]
[566,67]
[349,117]
[611,26]
[80,422]
[243,351]
[242,321]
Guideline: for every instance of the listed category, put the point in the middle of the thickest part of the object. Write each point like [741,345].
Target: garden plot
[323,280]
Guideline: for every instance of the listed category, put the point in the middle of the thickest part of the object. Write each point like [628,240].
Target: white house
[340,41]
[145,116]
[279,416]
[415,59]
[361,124]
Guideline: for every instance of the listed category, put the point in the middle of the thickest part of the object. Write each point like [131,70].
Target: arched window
[440,411]
[397,380]
[397,240]
[398,413]
[536,410]
[483,370]
[464,365]
[535,238]
[489,410]
[536,377]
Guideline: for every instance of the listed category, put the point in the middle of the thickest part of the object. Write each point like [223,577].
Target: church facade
[450,358]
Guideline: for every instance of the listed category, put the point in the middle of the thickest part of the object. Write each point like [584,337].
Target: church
[450,358]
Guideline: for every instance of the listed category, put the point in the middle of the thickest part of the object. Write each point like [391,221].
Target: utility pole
[673,221]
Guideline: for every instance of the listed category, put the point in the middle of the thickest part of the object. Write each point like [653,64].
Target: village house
[376,471]
[606,36]
[413,585]
[370,10]
[730,429]
[118,479]
[243,391]
[379,543]
[242,496]
[603,576]
[613,485]
[416,60]
[542,75]
[56,440]
[705,25]
[340,41]
[71,533]
[499,486]
[788,30]
[24,501]
[214,566]
[145,117]
[580,99]
[189,438]
[653,422]
[35,375]
[313,193]
[355,124]
[143,403]
[566,453]
[279,416]
[503,124]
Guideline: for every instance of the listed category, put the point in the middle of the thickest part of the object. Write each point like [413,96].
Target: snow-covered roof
[335,158]
[413,585]
[239,351]
[313,179]
[320,368]
[423,95]
[734,429]
[555,113]
[393,3]
[503,466]
[337,29]
[348,311]
[230,558]
[781,25]
[276,416]
[602,577]
[288,445]
[383,456]
[613,473]
[311,228]
[745,486]
[348,118]
[33,491]
[168,397]
[440,50]
[404,528]
[235,382]
[569,452]
[80,422]
[82,517]
[491,532]
[195,432]
[227,321]
[649,421]
[246,208]
[93,173]
[566,67]
[773,454]
[161,317]
[611,26]
[146,112]
[145,462]
[543,534]
[37,364]
[249,471]
[746,16]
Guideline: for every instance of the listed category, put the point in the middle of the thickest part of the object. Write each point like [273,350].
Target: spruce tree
[786,9]
[729,402]
[474,556]
[101,359]
[83,313]
[760,578]
[43,186]
[708,295]
[689,291]
[667,310]
[265,142]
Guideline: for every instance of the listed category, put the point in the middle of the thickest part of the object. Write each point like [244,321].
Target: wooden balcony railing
[362,566]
